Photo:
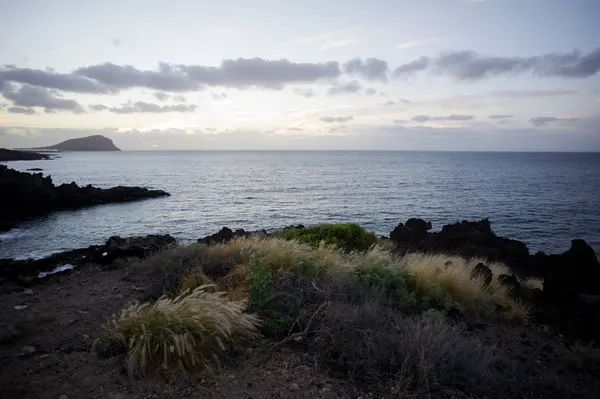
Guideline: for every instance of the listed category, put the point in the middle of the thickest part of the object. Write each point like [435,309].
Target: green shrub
[402,288]
[347,236]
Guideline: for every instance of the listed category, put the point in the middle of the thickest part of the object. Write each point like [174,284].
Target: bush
[371,342]
[347,236]
[186,333]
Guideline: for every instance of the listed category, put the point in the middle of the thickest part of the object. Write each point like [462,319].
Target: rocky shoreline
[32,195]
[15,155]
[569,298]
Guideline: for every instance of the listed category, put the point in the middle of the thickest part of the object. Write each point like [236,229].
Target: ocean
[543,199]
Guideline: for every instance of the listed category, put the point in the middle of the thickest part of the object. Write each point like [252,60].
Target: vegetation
[347,236]
[187,332]
[209,296]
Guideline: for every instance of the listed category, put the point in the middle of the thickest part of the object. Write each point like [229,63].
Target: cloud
[341,43]
[500,116]
[412,67]
[401,101]
[370,91]
[352,86]
[338,119]
[116,42]
[21,110]
[239,73]
[161,96]
[532,93]
[179,98]
[308,93]
[144,107]
[370,69]
[416,43]
[98,107]
[544,120]
[453,117]
[218,96]
[471,66]
[31,96]
[52,80]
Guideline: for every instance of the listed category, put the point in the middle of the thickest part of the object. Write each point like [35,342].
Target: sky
[468,75]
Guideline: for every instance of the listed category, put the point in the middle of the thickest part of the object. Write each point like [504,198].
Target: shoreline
[57,319]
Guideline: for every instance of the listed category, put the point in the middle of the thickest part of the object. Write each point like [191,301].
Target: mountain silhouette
[89,143]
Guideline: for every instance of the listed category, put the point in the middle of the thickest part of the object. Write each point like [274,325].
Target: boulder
[513,287]
[222,236]
[483,273]
[139,247]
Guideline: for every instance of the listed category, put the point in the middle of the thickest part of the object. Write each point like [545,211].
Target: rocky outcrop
[571,295]
[226,234]
[26,195]
[27,272]
[14,155]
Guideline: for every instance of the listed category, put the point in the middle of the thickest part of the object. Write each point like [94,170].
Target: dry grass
[185,333]
[534,283]
[289,257]
[453,274]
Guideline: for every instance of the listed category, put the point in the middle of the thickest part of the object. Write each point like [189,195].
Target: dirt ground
[47,332]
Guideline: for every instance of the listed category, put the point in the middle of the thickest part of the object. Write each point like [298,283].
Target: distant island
[89,143]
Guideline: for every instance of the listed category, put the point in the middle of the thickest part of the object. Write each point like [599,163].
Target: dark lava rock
[31,194]
[513,287]
[570,279]
[223,235]
[14,155]
[35,169]
[139,247]
[25,272]
[481,271]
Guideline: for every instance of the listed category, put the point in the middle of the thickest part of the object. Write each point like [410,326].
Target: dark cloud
[469,65]
[179,99]
[218,96]
[453,117]
[338,119]
[308,93]
[31,96]
[240,73]
[21,110]
[370,91]
[412,67]
[544,120]
[500,116]
[167,78]
[369,69]
[352,86]
[161,96]
[144,107]
[52,80]
[98,107]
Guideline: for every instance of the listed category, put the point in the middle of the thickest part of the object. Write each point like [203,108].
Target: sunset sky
[380,74]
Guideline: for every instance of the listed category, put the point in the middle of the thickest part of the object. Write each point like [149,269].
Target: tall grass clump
[185,333]
[347,236]
[453,274]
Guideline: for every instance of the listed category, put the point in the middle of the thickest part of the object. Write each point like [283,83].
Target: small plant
[185,333]
[347,236]
[261,288]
